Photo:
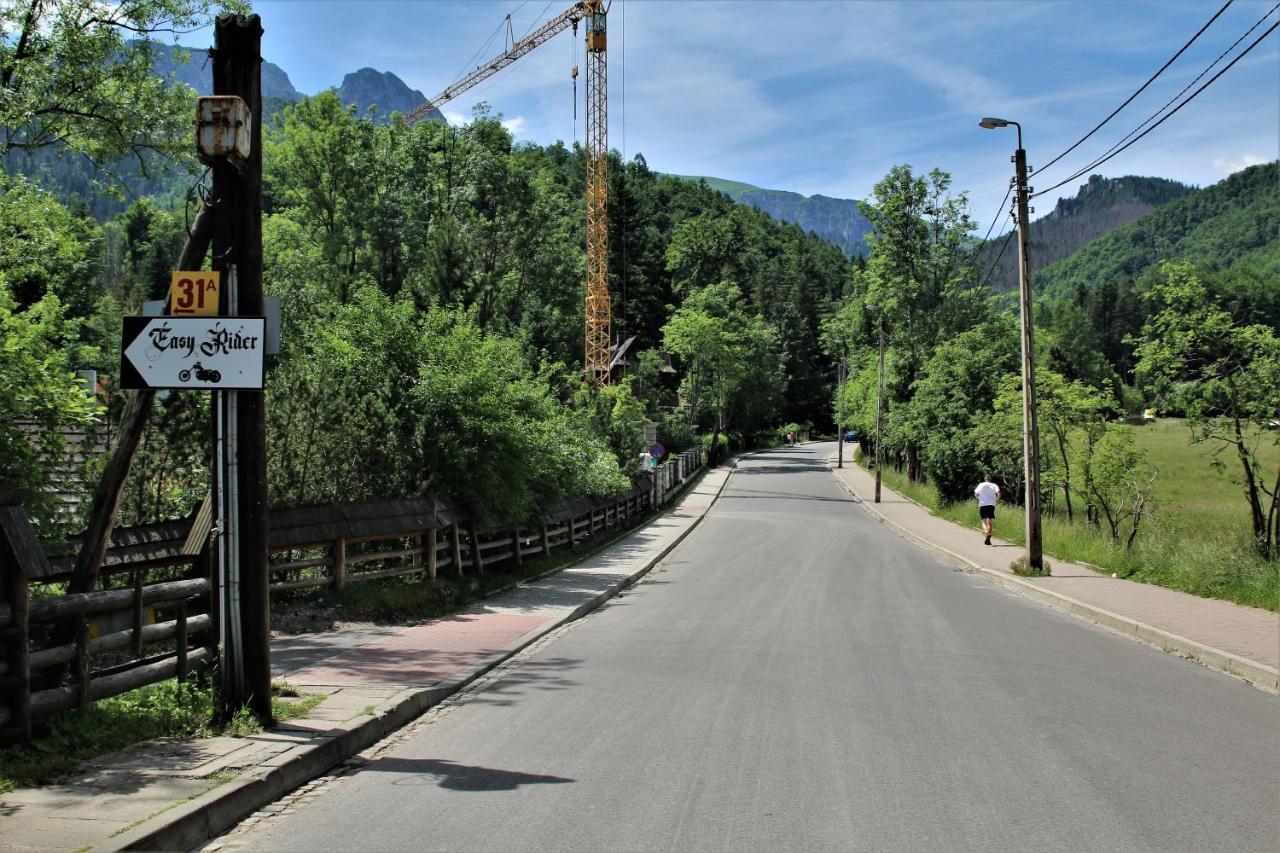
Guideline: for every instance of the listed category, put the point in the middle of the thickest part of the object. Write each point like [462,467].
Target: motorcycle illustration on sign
[201,374]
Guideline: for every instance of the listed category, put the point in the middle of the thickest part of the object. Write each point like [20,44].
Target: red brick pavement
[425,654]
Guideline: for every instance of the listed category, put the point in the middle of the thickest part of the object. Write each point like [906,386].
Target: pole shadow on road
[458,777]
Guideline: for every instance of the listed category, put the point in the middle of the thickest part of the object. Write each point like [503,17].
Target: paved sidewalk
[177,794]
[1243,641]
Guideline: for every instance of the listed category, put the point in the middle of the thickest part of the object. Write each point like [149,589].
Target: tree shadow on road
[458,777]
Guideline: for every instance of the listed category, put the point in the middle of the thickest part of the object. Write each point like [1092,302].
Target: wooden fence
[153,617]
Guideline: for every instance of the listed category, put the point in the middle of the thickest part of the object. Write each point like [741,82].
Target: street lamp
[1030,432]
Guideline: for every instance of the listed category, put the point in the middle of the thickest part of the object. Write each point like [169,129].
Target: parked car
[849,436]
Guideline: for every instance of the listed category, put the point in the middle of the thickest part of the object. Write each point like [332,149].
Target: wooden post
[339,564]
[180,640]
[14,647]
[476,559]
[429,540]
[455,546]
[82,662]
[546,542]
[515,538]
[237,70]
[137,613]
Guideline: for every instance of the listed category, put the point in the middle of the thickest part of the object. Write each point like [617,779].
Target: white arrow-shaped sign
[193,352]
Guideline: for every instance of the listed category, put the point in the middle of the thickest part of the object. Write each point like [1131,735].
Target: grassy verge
[1218,564]
[165,710]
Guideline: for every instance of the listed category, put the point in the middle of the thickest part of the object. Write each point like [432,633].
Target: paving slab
[1247,637]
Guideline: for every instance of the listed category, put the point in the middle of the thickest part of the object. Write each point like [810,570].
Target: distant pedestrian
[988,494]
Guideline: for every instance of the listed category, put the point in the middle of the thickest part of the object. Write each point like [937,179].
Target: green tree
[917,280]
[1229,376]
[46,249]
[1121,483]
[75,75]
[40,398]
[1065,408]
[957,385]
[730,358]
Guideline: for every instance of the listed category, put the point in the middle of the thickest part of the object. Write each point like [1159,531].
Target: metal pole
[839,428]
[1030,431]
[880,415]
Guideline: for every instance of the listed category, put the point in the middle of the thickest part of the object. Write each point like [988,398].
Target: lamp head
[990,123]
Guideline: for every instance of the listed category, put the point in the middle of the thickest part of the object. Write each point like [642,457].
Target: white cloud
[514,125]
[1231,165]
[455,118]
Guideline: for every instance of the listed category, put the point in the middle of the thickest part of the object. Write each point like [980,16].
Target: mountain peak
[387,93]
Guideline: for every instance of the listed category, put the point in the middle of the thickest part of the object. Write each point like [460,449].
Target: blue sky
[823,97]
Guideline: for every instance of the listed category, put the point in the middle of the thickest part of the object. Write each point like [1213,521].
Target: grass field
[1198,542]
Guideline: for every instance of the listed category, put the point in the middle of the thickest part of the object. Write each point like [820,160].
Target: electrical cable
[1116,151]
[535,20]
[1185,89]
[1141,88]
[996,262]
[973,256]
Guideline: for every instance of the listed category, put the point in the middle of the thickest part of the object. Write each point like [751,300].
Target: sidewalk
[1239,640]
[178,794]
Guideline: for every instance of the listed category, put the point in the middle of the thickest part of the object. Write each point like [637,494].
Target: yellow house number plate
[194,294]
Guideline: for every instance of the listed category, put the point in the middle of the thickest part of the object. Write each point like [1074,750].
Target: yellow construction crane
[598,319]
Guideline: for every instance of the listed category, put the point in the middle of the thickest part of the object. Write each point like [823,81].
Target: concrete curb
[194,822]
[1251,672]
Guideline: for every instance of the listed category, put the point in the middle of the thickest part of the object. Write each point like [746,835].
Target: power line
[971,262]
[992,226]
[1169,115]
[537,19]
[1141,88]
[996,262]
[1185,89]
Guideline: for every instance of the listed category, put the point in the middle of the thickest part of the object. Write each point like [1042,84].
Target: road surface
[796,677]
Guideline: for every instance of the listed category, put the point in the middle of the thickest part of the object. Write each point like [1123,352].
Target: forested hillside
[1099,207]
[1097,297]
[835,219]
[1235,221]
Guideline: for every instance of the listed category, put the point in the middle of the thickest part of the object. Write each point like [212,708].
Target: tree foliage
[1228,373]
[75,76]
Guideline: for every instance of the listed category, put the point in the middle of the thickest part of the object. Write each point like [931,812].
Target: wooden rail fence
[153,617]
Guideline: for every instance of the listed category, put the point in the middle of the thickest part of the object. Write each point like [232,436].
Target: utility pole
[880,414]
[237,252]
[1030,431]
[840,377]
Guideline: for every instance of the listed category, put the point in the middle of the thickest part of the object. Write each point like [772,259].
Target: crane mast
[598,308]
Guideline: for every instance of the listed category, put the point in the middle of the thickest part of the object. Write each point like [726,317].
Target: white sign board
[193,352]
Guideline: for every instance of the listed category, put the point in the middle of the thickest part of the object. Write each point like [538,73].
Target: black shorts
[987,511]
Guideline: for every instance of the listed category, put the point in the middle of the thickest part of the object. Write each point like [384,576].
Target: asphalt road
[796,677]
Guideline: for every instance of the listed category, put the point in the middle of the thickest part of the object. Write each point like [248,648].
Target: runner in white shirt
[987,493]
